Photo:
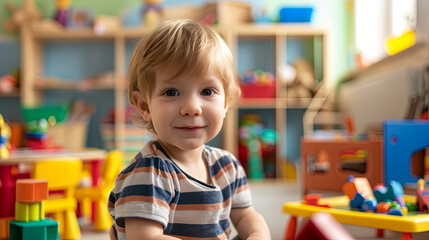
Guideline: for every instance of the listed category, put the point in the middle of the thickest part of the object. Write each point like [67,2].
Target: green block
[46,229]
[25,212]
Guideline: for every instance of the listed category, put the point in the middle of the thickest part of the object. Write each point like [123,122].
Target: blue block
[402,138]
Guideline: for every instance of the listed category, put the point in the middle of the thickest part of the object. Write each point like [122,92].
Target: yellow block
[25,212]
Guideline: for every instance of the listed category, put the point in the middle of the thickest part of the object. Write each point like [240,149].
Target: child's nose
[191,107]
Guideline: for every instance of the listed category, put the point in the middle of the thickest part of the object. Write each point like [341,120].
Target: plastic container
[296,14]
[258,91]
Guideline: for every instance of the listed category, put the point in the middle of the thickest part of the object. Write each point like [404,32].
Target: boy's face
[186,111]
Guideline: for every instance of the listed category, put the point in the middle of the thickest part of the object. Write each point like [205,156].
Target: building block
[25,212]
[357,185]
[402,138]
[46,229]
[4,227]
[31,190]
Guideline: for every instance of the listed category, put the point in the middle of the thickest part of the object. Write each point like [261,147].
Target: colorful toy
[257,84]
[4,138]
[388,200]
[36,136]
[393,192]
[422,196]
[313,199]
[29,205]
[358,185]
[334,177]
[30,222]
[63,8]
[7,83]
[256,142]
[25,14]
[151,12]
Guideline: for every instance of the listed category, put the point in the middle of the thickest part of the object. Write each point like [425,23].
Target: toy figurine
[151,13]
[63,7]
[4,138]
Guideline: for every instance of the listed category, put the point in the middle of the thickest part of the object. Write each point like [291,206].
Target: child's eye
[171,93]
[207,92]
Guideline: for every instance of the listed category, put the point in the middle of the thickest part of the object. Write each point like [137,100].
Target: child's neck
[190,161]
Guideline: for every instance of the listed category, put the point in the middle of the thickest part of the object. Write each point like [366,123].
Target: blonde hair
[183,46]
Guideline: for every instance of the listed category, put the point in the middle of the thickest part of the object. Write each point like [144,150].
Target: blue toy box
[296,14]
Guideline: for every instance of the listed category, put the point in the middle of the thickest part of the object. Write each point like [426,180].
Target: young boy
[181,84]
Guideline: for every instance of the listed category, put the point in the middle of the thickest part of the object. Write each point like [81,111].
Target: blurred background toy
[63,8]
[7,83]
[299,82]
[257,147]
[26,13]
[151,13]
[4,138]
[257,84]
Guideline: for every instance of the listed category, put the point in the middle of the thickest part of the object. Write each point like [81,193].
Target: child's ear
[226,107]
[142,105]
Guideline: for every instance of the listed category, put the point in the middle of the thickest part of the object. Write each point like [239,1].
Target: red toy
[323,226]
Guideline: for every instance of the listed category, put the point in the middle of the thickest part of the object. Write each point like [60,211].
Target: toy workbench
[414,222]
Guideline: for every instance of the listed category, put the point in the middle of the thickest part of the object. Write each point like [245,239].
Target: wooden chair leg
[291,228]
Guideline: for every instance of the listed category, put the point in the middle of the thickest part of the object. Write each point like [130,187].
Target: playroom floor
[268,197]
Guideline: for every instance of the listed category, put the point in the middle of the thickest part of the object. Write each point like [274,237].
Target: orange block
[358,185]
[31,190]
[4,227]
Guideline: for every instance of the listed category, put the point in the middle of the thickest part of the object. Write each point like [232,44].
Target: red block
[31,190]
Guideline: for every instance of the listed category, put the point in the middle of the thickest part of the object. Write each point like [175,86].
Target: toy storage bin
[296,14]
[327,153]
[221,12]
[69,135]
[258,91]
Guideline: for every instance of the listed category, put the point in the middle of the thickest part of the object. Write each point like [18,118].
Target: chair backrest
[62,173]
[111,168]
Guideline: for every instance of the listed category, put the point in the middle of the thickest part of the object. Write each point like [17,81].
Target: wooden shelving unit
[34,36]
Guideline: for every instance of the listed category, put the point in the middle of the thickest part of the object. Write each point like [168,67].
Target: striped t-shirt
[153,187]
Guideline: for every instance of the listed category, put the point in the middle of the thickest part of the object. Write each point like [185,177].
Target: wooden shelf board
[14,93]
[278,29]
[71,85]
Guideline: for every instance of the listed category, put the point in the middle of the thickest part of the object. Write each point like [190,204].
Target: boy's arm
[250,225]
[142,229]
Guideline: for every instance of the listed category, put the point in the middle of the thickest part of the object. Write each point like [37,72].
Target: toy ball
[383,207]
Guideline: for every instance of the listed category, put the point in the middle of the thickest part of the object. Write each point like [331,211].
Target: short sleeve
[242,196]
[143,190]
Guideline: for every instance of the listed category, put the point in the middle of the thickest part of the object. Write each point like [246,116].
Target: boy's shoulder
[222,155]
[149,156]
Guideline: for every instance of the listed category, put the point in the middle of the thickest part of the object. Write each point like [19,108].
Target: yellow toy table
[412,223]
